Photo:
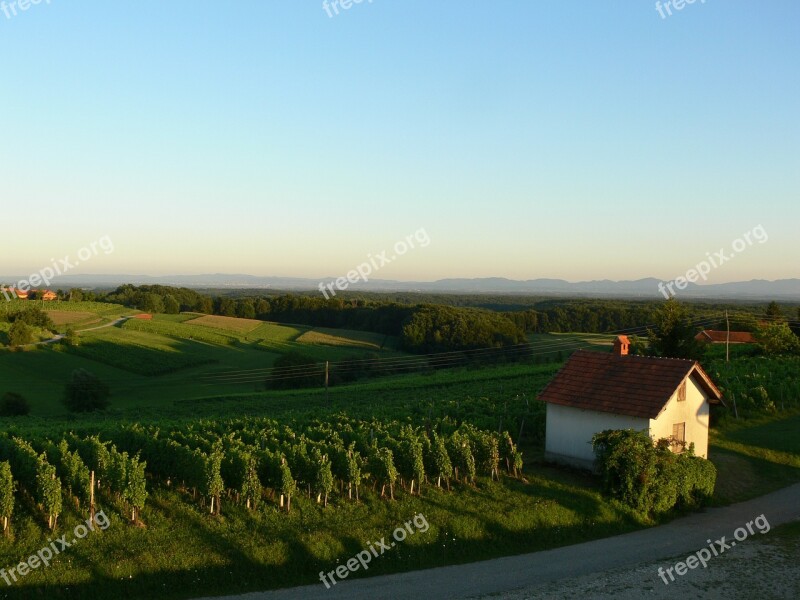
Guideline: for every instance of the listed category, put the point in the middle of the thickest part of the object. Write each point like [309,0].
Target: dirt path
[627,563]
[60,336]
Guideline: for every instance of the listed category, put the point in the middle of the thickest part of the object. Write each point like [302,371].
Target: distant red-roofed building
[46,295]
[144,317]
[11,292]
[710,336]
[595,391]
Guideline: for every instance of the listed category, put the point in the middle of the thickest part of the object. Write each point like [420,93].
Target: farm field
[333,337]
[562,344]
[65,317]
[152,364]
[226,323]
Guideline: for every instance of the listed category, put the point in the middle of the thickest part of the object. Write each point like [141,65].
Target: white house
[595,391]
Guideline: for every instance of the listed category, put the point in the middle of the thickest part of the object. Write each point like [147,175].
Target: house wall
[693,412]
[570,431]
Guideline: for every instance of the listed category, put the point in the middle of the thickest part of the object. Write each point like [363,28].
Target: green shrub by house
[650,477]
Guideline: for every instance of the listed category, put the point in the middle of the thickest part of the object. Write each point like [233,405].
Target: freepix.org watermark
[665,9]
[702,556]
[363,558]
[713,261]
[332,7]
[377,262]
[59,266]
[54,548]
[13,8]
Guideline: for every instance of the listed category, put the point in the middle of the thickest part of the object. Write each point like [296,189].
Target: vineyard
[45,473]
[249,462]
[758,385]
[197,333]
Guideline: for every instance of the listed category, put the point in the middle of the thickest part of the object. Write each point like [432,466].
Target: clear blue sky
[577,140]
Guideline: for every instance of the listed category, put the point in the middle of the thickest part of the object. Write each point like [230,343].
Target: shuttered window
[678,437]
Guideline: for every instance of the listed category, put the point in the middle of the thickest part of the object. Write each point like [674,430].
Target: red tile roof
[17,292]
[719,337]
[637,386]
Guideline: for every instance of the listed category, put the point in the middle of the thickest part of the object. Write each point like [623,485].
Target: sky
[563,139]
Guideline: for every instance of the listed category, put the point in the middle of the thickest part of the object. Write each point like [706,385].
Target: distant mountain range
[786,289]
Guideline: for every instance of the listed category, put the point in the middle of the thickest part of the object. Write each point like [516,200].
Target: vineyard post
[91,498]
[327,373]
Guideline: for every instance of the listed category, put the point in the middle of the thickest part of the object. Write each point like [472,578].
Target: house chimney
[621,345]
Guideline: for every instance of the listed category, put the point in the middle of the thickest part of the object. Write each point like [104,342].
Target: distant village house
[710,336]
[12,293]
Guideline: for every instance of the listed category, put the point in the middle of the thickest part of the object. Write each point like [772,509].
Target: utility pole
[727,338]
[327,371]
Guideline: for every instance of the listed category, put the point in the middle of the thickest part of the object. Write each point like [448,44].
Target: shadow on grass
[458,534]
[142,360]
[780,435]
[742,476]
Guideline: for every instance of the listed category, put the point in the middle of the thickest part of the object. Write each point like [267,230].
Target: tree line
[452,323]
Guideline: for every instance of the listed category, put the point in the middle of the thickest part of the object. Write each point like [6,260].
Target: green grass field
[154,364]
[155,368]
[182,552]
[563,344]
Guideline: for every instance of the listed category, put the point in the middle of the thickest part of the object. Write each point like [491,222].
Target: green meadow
[156,372]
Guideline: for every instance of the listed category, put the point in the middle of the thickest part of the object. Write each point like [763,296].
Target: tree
[20,334]
[774,312]
[14,405]
[262,307]
[152,303]
[226,307]
[71,337]
[777,338]
[35,317]
[245,309]
[673,336]
[638,345]
[796,324]
[171,305]
[85,392]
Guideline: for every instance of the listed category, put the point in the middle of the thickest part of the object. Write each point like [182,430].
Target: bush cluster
[650,477]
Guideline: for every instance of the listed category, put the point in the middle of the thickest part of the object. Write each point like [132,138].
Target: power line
[441,359]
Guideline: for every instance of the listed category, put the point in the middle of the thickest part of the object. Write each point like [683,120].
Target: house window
[678,437]
[682,392]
